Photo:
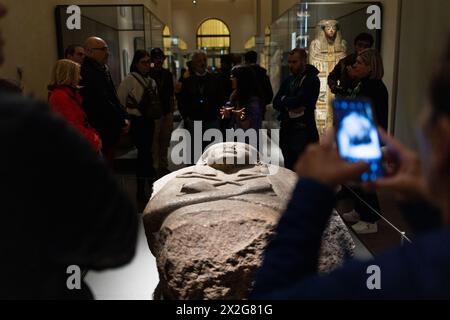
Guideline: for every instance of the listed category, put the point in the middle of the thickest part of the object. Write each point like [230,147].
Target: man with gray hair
[201,97]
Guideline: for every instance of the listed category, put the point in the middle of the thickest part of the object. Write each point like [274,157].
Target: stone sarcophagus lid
[208,224]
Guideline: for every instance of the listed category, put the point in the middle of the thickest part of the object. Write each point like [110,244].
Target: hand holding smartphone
[357,135]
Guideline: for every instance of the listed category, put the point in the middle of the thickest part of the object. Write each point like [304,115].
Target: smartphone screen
[357,135]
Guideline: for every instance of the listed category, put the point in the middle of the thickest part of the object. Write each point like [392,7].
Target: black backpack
[150,104]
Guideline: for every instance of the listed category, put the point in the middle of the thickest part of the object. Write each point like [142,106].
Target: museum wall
[29,31]
[126,40]
[424,27]
[266,14]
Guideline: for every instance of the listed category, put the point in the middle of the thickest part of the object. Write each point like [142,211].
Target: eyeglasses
[104,49]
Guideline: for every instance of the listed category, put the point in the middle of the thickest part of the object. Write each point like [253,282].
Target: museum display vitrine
[327,31]
[125,29]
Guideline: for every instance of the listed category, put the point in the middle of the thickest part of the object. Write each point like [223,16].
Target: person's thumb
[352,171]
[386,183]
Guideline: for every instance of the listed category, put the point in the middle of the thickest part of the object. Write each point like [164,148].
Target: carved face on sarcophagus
[208,224]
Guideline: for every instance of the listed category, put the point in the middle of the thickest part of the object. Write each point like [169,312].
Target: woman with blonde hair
[367,72]
[65,99]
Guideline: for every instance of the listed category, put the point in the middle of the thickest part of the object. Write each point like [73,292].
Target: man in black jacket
[296,102]
[251,58]
[100,101]
[163,126]
[200,100]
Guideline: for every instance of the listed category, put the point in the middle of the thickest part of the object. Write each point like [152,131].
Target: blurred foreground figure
[420,270]
[60,204]
[62,211]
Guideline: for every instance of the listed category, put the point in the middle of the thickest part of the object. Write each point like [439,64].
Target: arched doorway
[213,37]
[167,43]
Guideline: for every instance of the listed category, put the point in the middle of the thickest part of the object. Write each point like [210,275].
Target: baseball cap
[157,53]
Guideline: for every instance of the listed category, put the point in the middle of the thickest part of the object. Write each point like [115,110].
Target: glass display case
[125,29]
[303,26]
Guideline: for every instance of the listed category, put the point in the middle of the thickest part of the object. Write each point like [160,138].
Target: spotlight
[194,1]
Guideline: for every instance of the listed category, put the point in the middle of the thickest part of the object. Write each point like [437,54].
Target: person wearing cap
[163,126]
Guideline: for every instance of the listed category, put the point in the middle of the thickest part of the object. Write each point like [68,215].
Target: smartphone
[357,135]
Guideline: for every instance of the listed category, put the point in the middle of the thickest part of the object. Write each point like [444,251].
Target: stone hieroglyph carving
[325,52]
[207,225]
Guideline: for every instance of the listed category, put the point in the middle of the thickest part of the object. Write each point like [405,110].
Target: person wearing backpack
[138,93]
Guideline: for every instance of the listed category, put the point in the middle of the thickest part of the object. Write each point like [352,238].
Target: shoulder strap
[140,81]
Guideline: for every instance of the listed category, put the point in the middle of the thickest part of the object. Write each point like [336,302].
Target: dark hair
[70,50]
[364,36]
[189,66]
[138,55]
[236,59]
[157,53]
[301,53]
[226,60]
[247,83]
[251,57]
[440,85]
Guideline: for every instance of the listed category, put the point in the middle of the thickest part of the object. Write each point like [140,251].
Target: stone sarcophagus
[208,224]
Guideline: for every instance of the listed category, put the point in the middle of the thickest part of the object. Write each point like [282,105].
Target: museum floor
[137,280]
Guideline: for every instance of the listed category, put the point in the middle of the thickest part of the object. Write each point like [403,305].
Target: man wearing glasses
[101,104]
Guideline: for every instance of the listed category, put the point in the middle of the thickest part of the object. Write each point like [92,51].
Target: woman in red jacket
[65,99]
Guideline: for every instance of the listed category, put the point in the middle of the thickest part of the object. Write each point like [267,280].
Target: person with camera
[139,94]
[419,270]
[367,72]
